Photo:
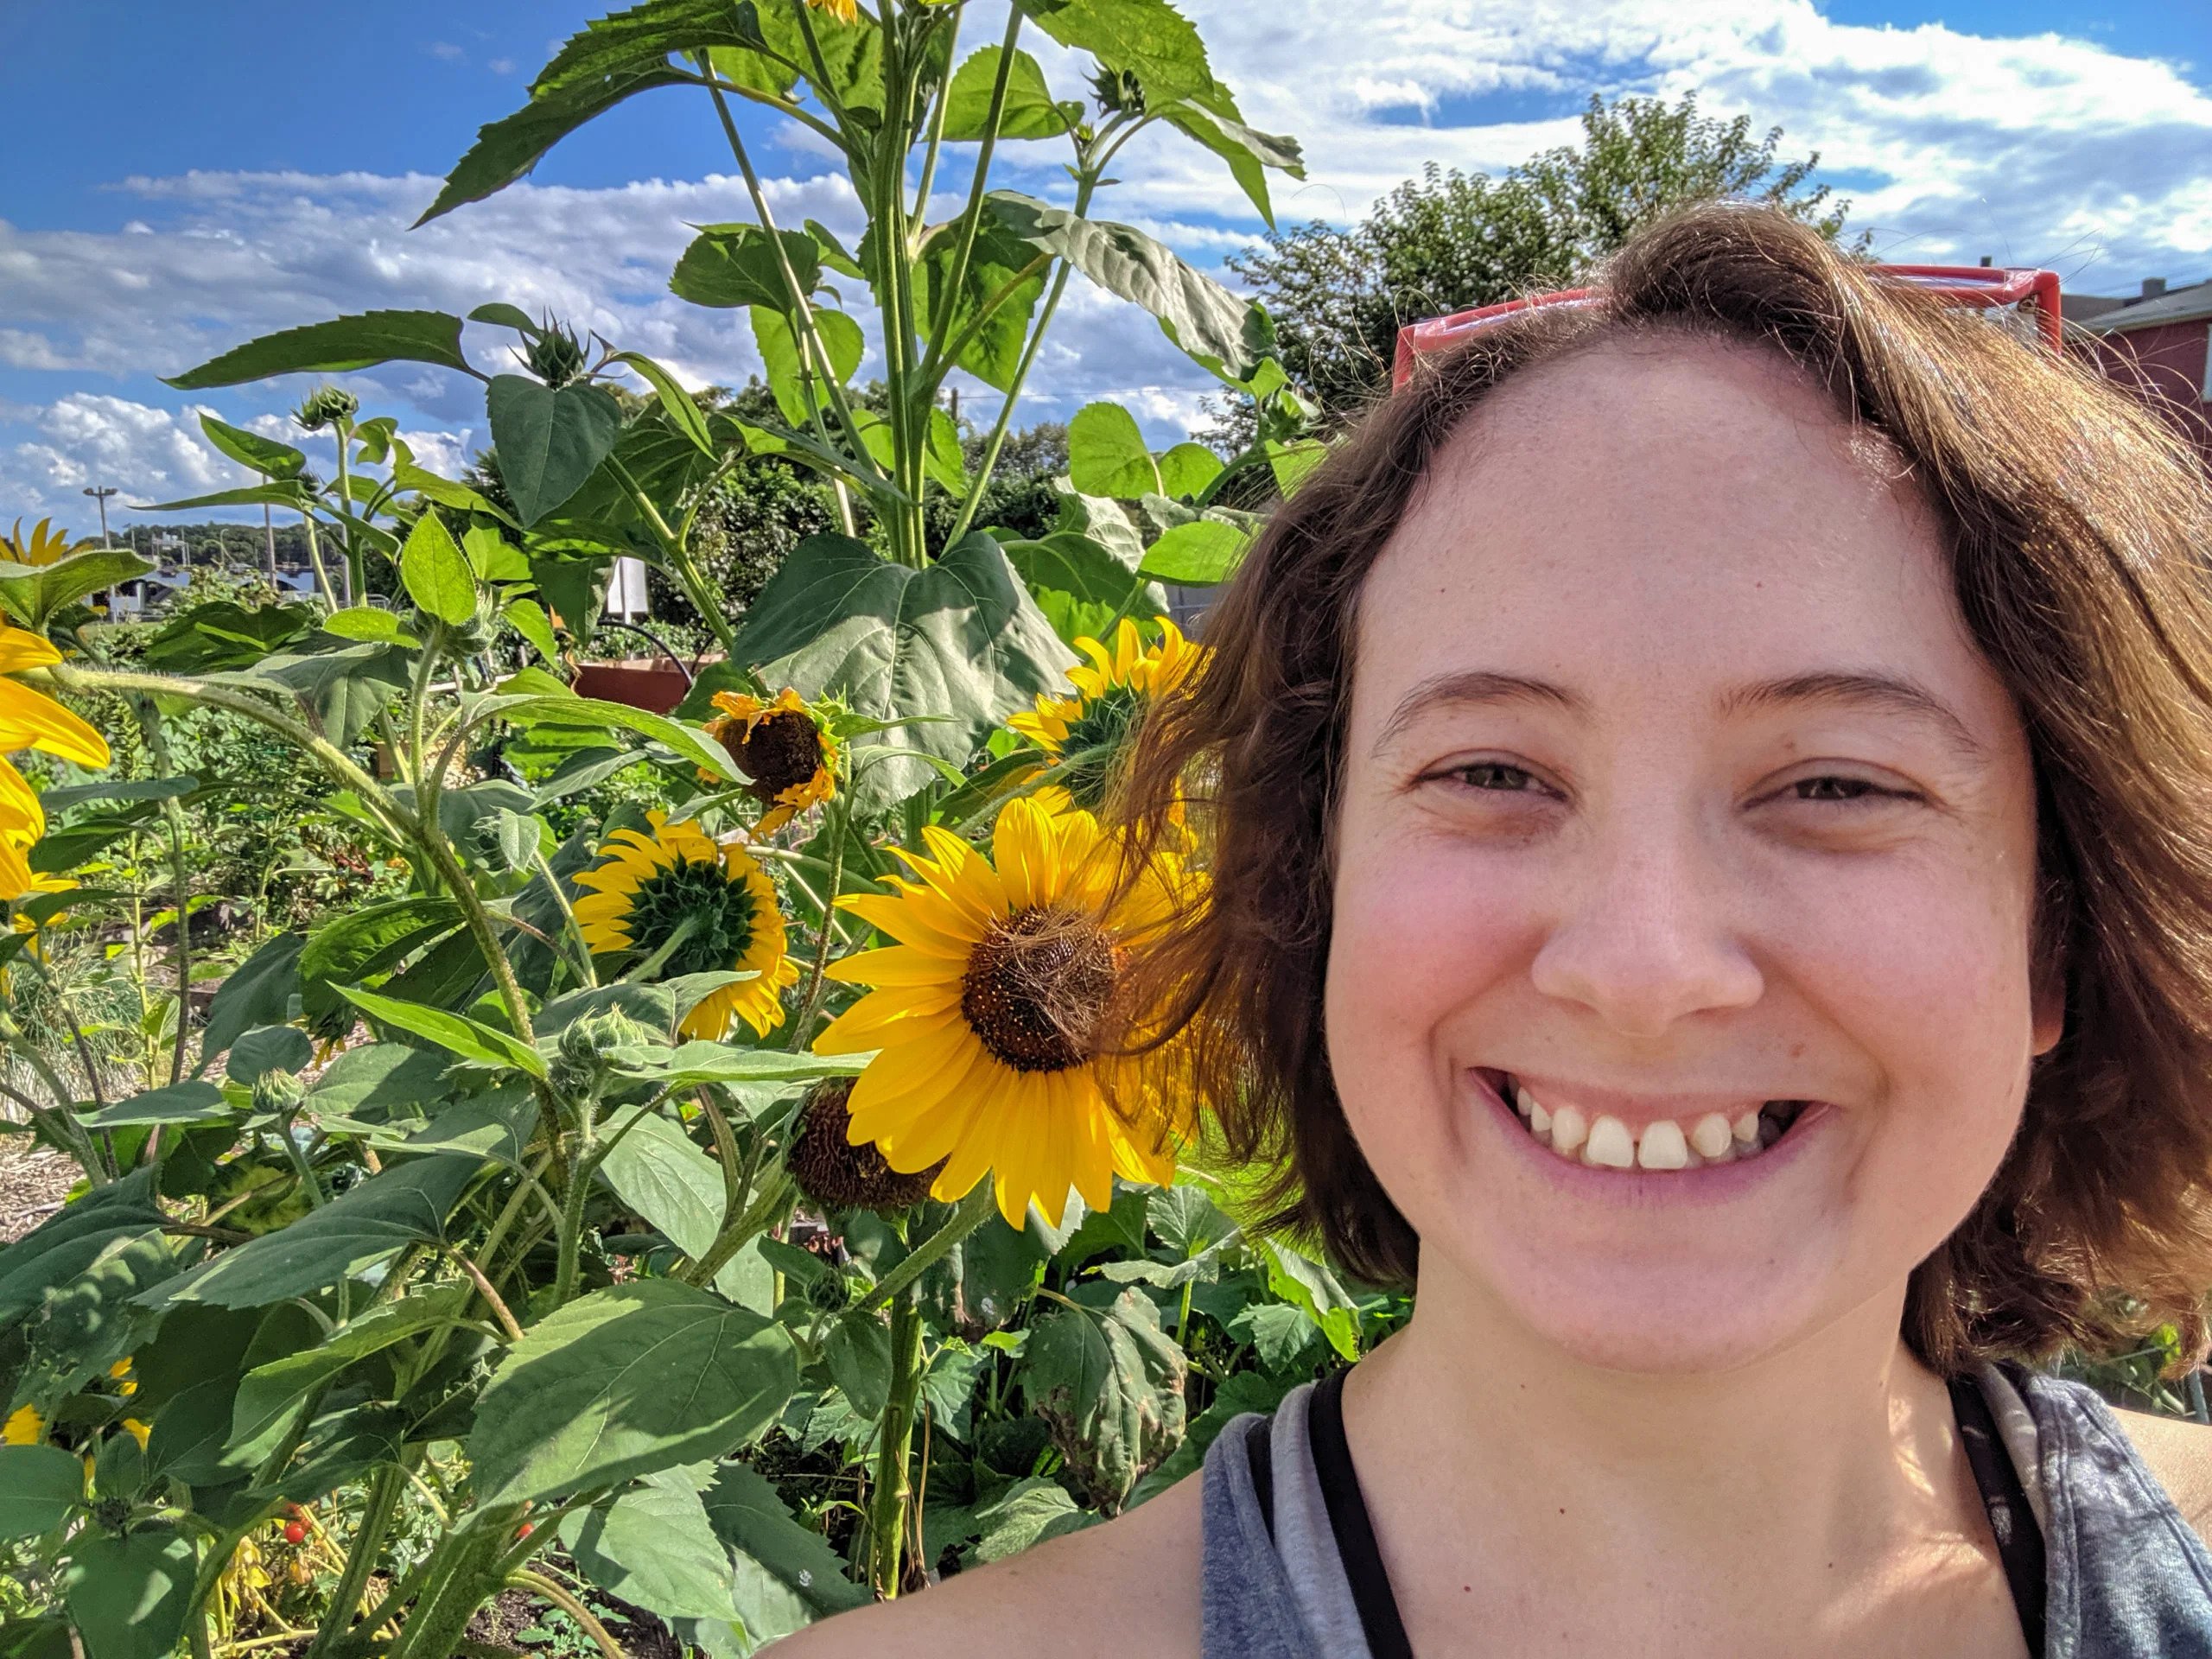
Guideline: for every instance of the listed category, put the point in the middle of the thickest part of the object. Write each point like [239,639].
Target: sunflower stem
[974,1210]
[888,1504]
[801,1027]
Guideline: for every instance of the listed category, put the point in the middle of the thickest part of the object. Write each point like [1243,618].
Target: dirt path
[32,1181]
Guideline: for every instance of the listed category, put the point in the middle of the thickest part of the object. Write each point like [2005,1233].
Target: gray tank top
[2126,1577]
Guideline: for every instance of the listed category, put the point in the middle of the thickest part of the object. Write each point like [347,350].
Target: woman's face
[1678,806]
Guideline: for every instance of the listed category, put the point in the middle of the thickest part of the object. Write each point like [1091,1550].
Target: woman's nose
[1644,938]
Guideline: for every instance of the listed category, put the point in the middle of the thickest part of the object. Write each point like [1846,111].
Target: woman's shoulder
[2179,1454]
[1128,1586]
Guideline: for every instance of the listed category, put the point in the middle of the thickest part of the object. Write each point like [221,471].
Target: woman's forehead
[1685,502]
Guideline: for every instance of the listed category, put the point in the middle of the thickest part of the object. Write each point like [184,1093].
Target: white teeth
[1711,1135]
[1569,1129]
[1745,1129]
[1612,1146]
[1662,1146]
[1540,1121]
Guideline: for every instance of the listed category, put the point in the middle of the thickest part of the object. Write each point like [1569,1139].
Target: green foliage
[1449,241]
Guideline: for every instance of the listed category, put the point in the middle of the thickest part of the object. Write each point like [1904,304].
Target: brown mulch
[32,1180]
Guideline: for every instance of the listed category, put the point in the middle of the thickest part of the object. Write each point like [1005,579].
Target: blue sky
[205,172]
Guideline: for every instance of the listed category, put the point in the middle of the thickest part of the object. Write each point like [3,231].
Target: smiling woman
[1708,800]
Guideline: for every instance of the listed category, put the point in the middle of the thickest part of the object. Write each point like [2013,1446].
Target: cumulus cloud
[2036,150]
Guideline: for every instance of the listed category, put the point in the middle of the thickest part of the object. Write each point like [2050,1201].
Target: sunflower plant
[756,1195]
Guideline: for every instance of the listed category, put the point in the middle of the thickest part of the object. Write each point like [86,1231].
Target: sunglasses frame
[1975,286]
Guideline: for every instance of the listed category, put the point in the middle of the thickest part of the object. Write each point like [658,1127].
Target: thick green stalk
[465,1574]
[377,1511]
[150,727]
[894,1488]
[357,585]
[675,545]
[974,1211]
[314,559]
[956,274]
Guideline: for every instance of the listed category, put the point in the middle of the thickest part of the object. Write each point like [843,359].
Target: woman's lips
[1572,1125]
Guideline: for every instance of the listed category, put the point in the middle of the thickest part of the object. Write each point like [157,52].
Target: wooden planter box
[653,683]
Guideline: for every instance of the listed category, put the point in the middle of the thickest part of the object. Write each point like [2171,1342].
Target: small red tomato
[296,1532]
[525,1530]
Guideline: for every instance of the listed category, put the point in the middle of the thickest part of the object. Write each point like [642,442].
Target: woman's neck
[1494,1461]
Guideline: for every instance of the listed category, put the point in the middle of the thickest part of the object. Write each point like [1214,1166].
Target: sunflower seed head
[833,1173]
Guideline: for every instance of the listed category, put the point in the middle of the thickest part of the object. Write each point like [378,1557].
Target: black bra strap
[1371,1583]
[2019,1540]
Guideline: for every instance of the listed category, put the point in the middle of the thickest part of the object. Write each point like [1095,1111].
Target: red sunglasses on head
[1978,286]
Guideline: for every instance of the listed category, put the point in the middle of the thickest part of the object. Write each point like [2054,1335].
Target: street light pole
[101,495]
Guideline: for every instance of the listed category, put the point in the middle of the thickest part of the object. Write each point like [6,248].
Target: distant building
[2159,341]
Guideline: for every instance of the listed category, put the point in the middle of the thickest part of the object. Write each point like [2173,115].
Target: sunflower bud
[556,356]
[278,1092]
[834,1173]
[1118,92]
[323,405]
[579,1062]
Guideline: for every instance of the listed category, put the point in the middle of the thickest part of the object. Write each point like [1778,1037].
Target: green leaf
[39,1486]
[264,1049]
[366,625]
[180,1103]
[1187,469]
[1029,111]
[32,593]
[221,635]
[1106,454]
[682,413]
[1148,39]
[362,943]
[945,459]
[1309,1285]
[501,315]
[435,572]
[1198,554]
[585,1396]
[694,1063]
[834,256]
[1291,462]
[1228,335]
[127,1596]
[1073,570]
[858,1349]
[962,640]
[455,1032]
[787,1575]
[333,347]
[796,394]
[1279,1333]
[736,265]
[1215,122]
[405,1204]
[383,1079]
[264,455]
[654,1546]
[592,714]
[447,493]
[1000,256]
[529,620]
[65,1245]
[259,992]
[657,1171]
[1110,1384]
[548,442]
[271,1393]
[1028,1512]
[342,688]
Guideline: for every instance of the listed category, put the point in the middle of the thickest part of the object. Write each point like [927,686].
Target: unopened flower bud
[323,405]
[555,357]
[278,1092]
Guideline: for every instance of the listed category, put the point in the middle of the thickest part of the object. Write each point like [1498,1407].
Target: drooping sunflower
[782,748]
[648,889]
[845,12]
[990,1011]
[1085,733]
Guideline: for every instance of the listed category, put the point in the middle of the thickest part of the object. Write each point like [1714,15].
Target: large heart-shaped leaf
[736,265]
[1030,109]
[128,1594]
[654,1546]
[64,1246]
[625,1381]
[1106,454]
[407,1204]
[264,455]
[39,1485]
[1214,121]
[548,442]
[343,343]
[994,339]
[787,1576]
[434,570]
[1110,1384]
[961,640]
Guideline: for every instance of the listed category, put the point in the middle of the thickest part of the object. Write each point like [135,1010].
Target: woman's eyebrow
[1471,687]
[1891,693]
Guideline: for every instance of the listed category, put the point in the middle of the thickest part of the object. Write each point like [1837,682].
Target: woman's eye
[1838,789]
[1494,775]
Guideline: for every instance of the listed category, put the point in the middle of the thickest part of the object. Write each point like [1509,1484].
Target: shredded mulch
[32,1181]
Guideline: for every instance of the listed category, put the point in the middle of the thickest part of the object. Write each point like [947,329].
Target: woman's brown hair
[2076,523]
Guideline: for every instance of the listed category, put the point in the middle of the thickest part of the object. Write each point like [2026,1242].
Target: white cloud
[2035,149]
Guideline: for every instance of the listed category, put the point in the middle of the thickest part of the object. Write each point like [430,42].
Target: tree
[1450,240]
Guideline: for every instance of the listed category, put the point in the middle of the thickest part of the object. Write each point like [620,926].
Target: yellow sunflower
[24,1426]
[989,1014]
[29,720]
[47,545]
[650,889]
[1085,733]
[781,746]
[845,12]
